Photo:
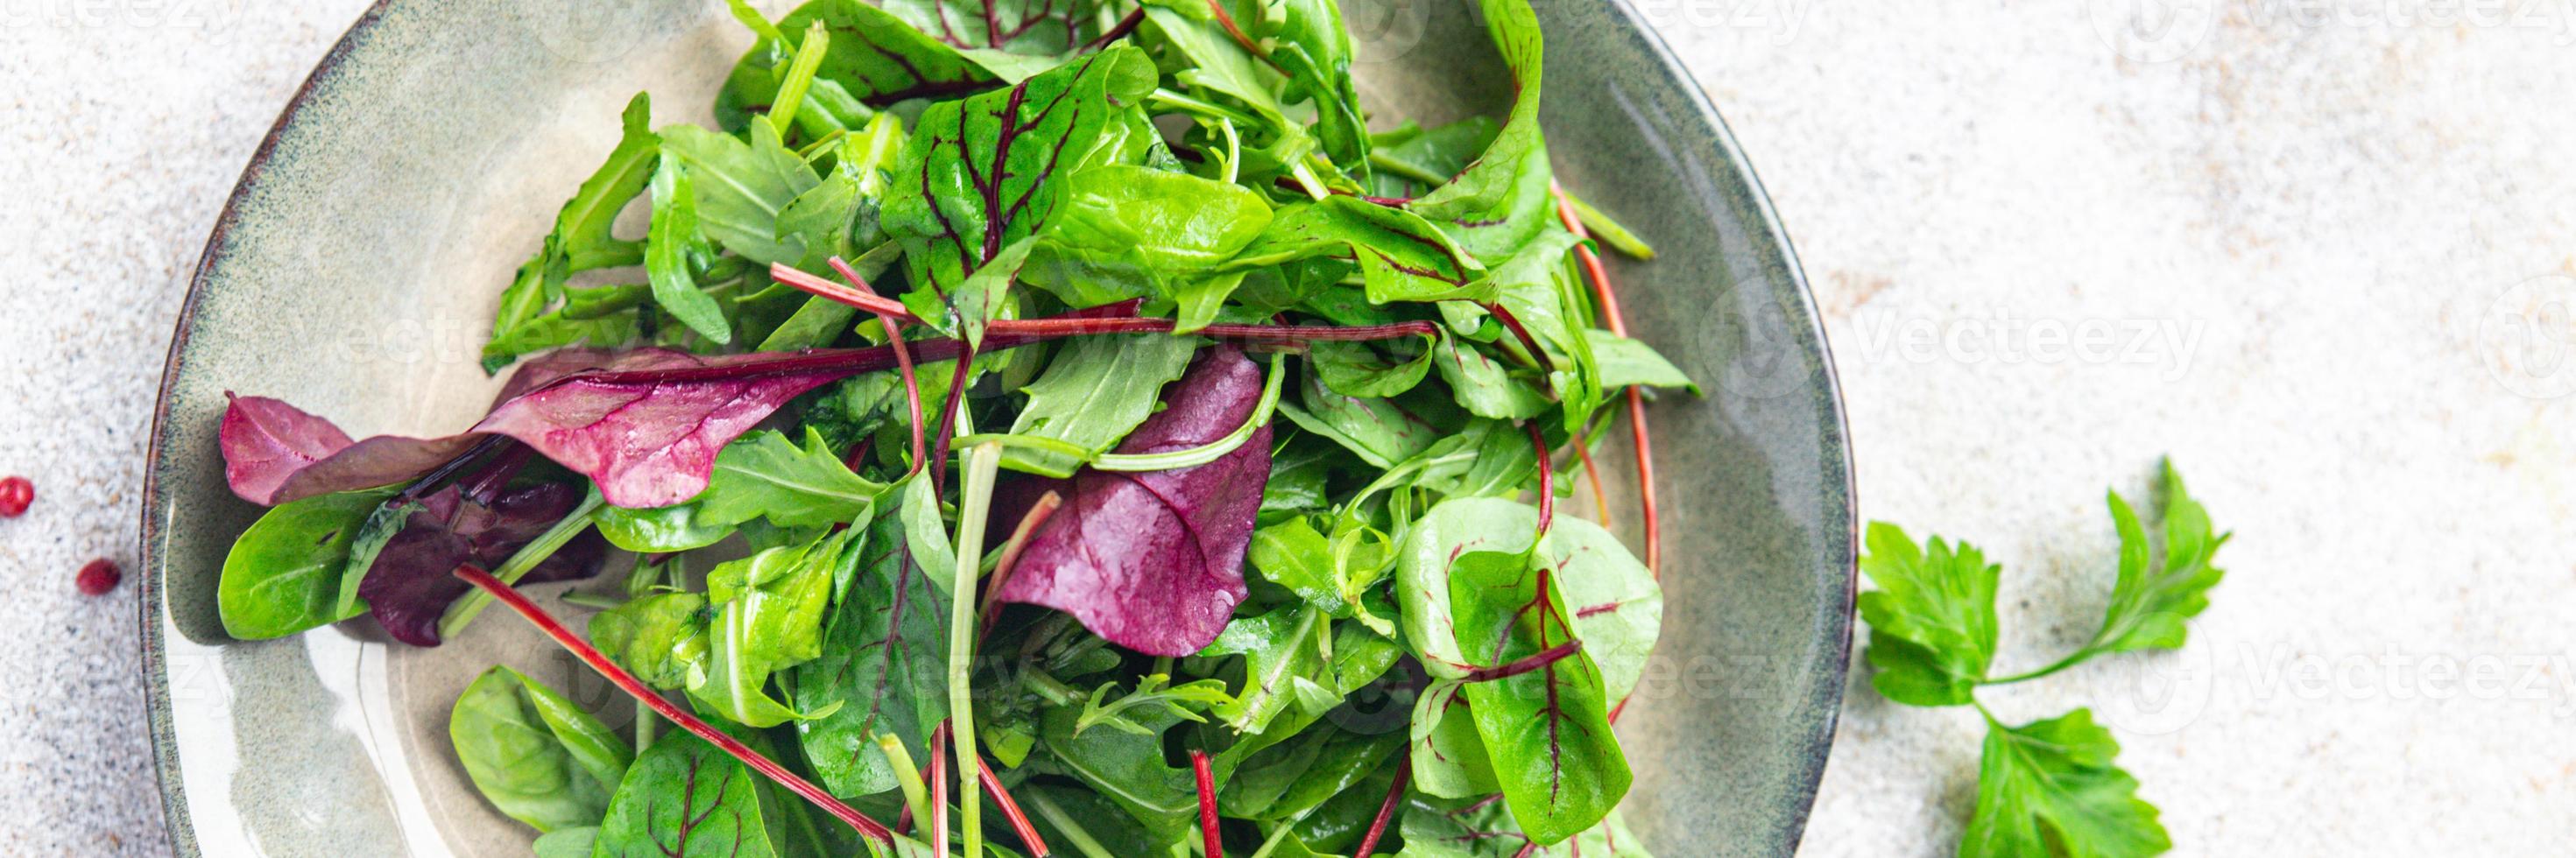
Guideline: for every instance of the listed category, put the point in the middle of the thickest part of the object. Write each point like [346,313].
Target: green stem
[646,724]
[1051,688]
[1276,835]
[588,600]
[974,502]
[800,77]
[1305,176]
[2071,660]
[916,795]
[511,570]
[1201,455]
[1607,230]
[1073,831]
[1384,162]
[1186,104]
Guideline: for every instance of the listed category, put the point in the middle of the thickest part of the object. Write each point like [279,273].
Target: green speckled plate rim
[1838,449]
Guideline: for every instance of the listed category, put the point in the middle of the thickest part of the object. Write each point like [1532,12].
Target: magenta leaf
[275,453]
[647,442]
[1153,561]
[411,584]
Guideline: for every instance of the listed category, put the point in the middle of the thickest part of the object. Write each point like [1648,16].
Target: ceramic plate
[356,268]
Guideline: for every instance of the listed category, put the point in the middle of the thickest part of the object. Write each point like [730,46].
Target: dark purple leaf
[1153,561]
[411,584]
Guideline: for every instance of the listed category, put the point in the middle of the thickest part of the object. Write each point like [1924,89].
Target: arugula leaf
[684,796]
[873,57]
[1094,392]
[1374,369]
[2051,788]
[674,248]
[762,475]
[581,239]
[661,638]
[1547,730]
[1931,620]
[1502,201]
[282,575]
[1128,770]
[2152,600]
[1154,693]
[1284,652]
[882,668]
[533,754]
[1314,48]
[1379,431]
[740,188]
[982,173]
[1288,780]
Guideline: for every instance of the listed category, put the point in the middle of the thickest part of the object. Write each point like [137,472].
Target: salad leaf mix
[1032,426]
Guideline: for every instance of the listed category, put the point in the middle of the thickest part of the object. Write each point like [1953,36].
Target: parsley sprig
[2049,787]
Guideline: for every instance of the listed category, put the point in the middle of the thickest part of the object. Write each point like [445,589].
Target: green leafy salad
[1034,427]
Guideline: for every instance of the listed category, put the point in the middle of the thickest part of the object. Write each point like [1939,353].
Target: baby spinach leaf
[684,796]
[1479,828]
[1617,608]
[1293,554]
[533,754]
[1502,201]
[1931,618]
[659,529]
[661,638]
[1453,535]
[1126,231]
[1379,369]
[1448,756]
[1216,63]
[740,187]
[1498,462]
[763,475]
[1095,391]
[1547,730]
[2052,788]
[1381,432]
[675,246]
[1314,48]
[1153,560]
[883,666]
[2152,600]
[768,617]
[1484,387]
[1401,256]
[283,574]
[1626,362]
[984,172]
[1430,157]
[566,842]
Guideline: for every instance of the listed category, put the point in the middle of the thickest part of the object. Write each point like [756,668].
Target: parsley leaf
[2050,788]
[1931,620]
[2152,600]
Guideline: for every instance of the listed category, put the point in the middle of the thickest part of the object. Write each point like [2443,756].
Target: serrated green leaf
[2050,788]
[1931,620]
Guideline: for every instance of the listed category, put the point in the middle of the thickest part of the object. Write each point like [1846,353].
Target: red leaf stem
[1636,399]
[1386,809]
[1011,810]
[1525,664]
[1207,804]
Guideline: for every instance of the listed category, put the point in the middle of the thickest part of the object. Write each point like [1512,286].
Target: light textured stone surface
[2313,212]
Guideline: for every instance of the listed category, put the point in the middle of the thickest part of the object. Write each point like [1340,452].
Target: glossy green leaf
[2052,788]
[985,172]
[1626,362]
[661,638]
[686,797]
[580,241]
[283,574]
[2155,596]
[1378,369]
[1547,730]
[1094,391]
[882,669]
[1931,620]
[1502,201]
[768,617]
[1126,231]
[675,246]
[533,754]
[1462,531]
[740,188]
[1284,659]
[1401,256]
[764,475]
[1153,694]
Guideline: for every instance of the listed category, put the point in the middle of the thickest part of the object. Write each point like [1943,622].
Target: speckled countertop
[2323,253]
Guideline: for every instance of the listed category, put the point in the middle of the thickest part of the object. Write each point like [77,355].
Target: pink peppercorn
[16,493]
[100,576]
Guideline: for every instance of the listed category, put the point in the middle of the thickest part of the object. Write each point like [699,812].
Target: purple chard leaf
[410,585]
[1153,560]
